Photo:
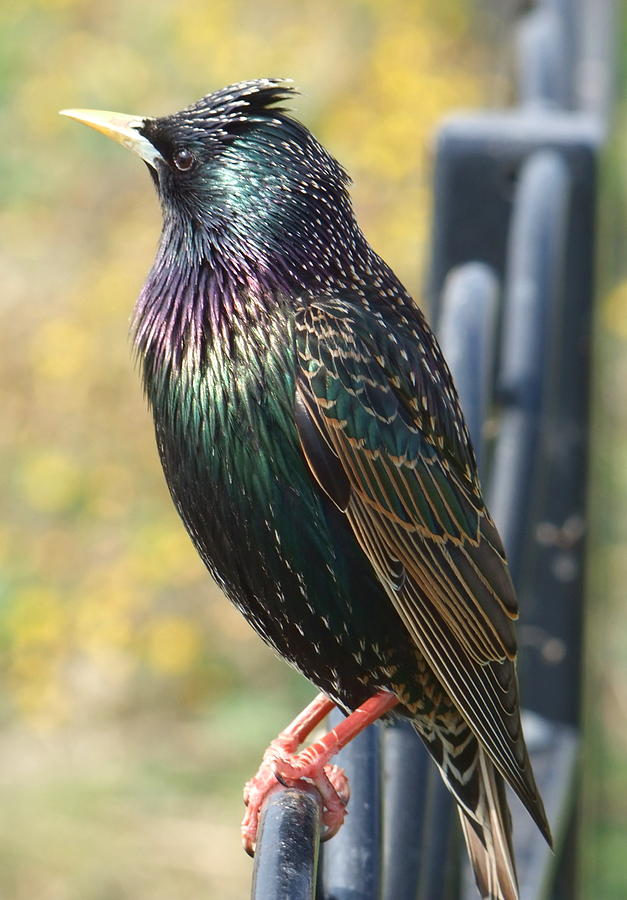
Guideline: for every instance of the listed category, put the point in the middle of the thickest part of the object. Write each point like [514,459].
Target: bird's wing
[380,426]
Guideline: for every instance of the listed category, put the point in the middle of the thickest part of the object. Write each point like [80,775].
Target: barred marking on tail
[479,790]
[488,837]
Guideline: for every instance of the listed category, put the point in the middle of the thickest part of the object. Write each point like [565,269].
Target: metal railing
[511,289]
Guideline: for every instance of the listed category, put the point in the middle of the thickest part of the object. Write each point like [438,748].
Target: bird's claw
[330,780]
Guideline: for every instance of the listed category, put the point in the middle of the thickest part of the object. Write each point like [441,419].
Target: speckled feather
[314,446]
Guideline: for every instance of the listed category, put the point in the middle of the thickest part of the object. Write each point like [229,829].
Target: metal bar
[477,170]
[478,167]
[351,861]
[599,30]
[439,866]
[407,768]
[533,294]
[554,751]
[287,845]
[544,61]
[466,331]
[528,368]
[483,162]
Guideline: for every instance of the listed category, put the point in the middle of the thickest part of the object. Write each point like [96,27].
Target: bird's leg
[281,763]
[256,790]
[309,762]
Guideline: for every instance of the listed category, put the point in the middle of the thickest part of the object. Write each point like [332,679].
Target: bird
[314,446]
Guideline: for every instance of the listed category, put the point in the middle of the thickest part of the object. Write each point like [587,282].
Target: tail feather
[488,836]
[482,805]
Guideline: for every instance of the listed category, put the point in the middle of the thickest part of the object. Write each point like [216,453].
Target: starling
[312,440]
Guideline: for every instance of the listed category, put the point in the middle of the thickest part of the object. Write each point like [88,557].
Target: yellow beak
[119,127]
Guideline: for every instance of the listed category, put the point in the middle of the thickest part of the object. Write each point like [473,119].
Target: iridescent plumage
[314,446]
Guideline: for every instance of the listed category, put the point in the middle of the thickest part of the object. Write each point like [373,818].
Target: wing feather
[374,391]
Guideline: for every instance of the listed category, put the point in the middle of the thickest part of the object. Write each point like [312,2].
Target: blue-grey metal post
[287,845]
[534,289]
[351,861]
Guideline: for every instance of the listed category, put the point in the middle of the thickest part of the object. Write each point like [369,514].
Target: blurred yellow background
[133,700]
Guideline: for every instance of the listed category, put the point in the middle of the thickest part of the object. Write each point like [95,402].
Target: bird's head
[237,175]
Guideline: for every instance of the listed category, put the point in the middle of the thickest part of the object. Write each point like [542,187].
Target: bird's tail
[479,790]
[488,836]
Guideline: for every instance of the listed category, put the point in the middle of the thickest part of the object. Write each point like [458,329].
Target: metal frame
[510,288]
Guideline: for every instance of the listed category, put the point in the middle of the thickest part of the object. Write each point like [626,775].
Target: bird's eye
[183,160]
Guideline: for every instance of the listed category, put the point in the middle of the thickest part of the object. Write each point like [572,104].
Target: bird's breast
[281,552]
[225,415]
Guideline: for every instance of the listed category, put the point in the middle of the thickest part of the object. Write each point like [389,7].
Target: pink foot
[280,765]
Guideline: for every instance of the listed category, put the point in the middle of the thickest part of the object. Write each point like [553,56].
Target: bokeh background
[133,701]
